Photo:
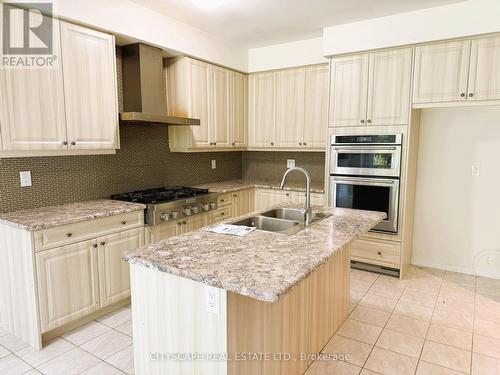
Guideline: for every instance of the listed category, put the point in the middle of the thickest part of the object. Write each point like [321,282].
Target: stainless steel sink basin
[268,223]
[286,214]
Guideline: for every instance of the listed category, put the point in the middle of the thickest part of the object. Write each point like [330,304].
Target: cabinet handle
[235,196]
[234,143]
[103,243]
[73,143]
[379,253]
[215,143]
[184,222]
[179,223]
[124,222]
[369,121]
[287,194]
[222,200]
[69,235]
[462,94]
[471,95]
[305,143]
[65,143]
[94,245]
[362,121]
[300,143]
[222,213]
[272,143]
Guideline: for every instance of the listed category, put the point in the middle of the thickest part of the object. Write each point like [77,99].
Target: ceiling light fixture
[208,4]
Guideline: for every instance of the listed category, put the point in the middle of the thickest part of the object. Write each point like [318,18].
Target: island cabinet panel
[301,322]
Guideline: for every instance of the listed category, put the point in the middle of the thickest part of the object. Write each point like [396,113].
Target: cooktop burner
[160,195]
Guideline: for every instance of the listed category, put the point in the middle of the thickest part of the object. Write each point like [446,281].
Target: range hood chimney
[144,87]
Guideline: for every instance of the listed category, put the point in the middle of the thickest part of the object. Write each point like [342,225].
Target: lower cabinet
[378,252]
[177,227]
[77,279]
[243,202]
[266,198]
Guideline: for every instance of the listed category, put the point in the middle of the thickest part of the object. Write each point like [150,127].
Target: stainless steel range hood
[144,87]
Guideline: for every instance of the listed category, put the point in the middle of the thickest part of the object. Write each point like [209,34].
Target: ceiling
[255,23]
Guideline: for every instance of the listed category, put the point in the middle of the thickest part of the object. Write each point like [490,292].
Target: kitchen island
[266,303]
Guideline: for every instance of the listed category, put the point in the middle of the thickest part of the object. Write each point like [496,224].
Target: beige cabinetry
[215,95]
[457,71]
[266,198]
[289,109]
[68,107]
[371,89]
[372,251]
[243,202]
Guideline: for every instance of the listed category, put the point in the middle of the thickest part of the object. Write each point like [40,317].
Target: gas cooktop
[160,195]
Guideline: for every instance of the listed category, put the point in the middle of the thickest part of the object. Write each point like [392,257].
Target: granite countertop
[262,265]
[236,185]
[54,216]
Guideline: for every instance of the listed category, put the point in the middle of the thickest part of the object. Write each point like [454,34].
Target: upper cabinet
[71,106]
[213,94]
[371,89]
[289,109]
[457,71]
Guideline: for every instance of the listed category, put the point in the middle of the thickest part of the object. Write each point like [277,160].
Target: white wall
[467,18]
[132,20]
[457,217]
[286,55]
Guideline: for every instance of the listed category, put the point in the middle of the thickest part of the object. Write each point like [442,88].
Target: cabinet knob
[184,222]
[179,223]
[103,243]
[65,143]
[235,196]
[305,143]
[471,95]
[124,222]
[368,121]
[287,194]
[73,143]
[222,213]
[69,235]
[462,94]
[272,143]
[215,143]
[94,245]
[300,143]
[234,143]
[379,253]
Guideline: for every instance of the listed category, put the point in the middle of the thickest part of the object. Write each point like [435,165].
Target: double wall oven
[365,173]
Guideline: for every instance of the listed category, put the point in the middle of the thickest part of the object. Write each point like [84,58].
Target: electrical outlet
[25,177]
[290,163]
[214,164]
[476,170]
[212,299]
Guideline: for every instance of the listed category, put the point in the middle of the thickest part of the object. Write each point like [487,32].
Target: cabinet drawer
[66,234]
[224,199]
[376,252]
[220,214]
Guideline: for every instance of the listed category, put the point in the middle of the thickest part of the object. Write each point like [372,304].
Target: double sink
[281,220]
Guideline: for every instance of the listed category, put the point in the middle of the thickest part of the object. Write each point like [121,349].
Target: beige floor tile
[454,320]
[455,305]
[107,344]
[447,356]
[360,331]
[85,333]
[379,303]
[126,328]
[364,275]
[123,360]
[428,286]
[116,318]
[400,343]
[53,349]
[332,367]
[460,292]
[487,346]
[392,281]
[486,312]
[487,328]
[425,368]
[413,310]
[369,315]
[356,295]
[450,336]
[408,325]
[13,365]
[460,278]
[385,290]
[429,272]
[33,372]
[484,365]
[487,282]
[103,368]
[419,298]
[358,351]
[390,363]
[368,372]
[352,306]
[360,285]
[71,363]
[492,293]
[3,352]
[12,343]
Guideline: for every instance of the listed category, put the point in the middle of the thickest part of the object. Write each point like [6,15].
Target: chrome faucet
[307,203]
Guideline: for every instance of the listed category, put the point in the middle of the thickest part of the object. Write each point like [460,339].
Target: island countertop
[262,265]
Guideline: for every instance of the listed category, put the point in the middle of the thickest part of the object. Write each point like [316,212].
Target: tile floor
[432,323]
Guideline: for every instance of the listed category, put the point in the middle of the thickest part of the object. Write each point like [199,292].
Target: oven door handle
[364,180]
[363,150]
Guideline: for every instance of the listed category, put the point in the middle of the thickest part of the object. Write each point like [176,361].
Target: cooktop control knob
[165,217]
[195,209]
[187,211]
[205,207]
[174,214]
[212,205]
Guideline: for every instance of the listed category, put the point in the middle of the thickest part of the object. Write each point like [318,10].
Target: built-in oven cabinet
[371,88]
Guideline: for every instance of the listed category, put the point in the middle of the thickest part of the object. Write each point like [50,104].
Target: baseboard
[444,267]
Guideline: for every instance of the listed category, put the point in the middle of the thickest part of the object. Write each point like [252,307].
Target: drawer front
[376,252]
[224,199]
[220,214]
[66,234]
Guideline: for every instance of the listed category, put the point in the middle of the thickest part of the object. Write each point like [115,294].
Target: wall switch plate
[212,299]
[476,170]
[290,163]
[25,177]
[214,164]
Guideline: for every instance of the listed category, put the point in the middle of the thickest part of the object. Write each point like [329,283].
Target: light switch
[476,170]
[25,178]
[290,163]
[214,164]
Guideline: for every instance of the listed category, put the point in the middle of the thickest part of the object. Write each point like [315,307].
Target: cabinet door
[243,202]
[389,87]
[349,89]
[290,92]
[441,72]
[267,198]
[114,276]
[261,114]
[199,102]
[316,106]
[32,102]
[221,107]
[317,199]
[239,108]
[484,74]
[89,87]
[67,283]
[195,222]
[165,230]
